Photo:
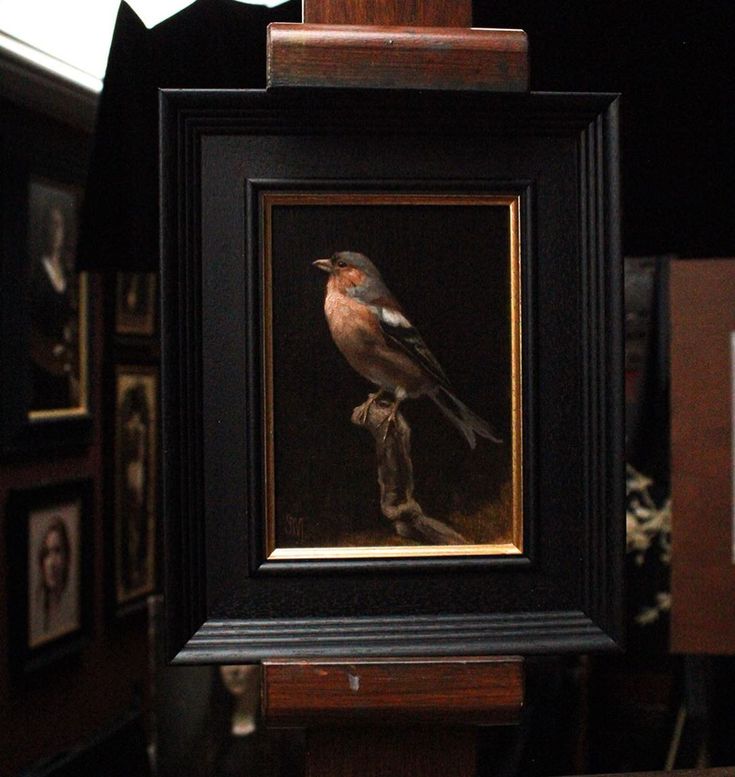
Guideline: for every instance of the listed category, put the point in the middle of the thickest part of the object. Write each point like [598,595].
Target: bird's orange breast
[354,326]
[357,333]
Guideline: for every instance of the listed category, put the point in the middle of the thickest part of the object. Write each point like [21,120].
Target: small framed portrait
[45,366]
[135,304]
[59,313]
[392,358]
[135,482]
[49,536]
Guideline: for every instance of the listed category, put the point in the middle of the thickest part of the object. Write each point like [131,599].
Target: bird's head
[349,270]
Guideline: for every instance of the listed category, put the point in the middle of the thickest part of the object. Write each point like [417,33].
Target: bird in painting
[380,343]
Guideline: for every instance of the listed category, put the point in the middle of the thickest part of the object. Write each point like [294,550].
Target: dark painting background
[449,268]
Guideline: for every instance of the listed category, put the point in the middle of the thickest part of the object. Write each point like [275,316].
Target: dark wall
[56,707]
[673,64]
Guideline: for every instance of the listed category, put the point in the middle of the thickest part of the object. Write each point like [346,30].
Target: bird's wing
[398,330]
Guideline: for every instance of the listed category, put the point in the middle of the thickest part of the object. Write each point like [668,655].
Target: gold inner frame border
[270,199]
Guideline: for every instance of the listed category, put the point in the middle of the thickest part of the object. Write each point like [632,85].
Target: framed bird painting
[412,469]
[392,373]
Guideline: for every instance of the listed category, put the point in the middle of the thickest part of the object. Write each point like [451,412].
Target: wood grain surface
[727,771]
[703,574]
[456,690]
[429,13]
[397,57]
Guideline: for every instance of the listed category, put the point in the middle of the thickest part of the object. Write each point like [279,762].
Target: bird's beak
[323,264]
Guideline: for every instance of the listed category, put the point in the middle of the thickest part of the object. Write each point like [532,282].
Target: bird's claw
[362,414]
[388,420]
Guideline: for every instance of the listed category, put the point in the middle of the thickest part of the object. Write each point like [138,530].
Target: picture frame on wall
[49,541]
[135,483]
[392,352]
[59,309]
[47,308]
[136,304]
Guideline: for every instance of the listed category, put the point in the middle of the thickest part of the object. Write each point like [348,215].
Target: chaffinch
[380,343]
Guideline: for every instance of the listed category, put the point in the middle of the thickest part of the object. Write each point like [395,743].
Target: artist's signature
[294,526]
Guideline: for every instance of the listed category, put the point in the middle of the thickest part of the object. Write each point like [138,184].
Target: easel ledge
[371,57]
[384,44]
[473,690]
[392,716]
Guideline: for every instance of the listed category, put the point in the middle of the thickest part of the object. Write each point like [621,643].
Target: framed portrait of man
[59,316]
[392,359]
[135,482]
[46,305]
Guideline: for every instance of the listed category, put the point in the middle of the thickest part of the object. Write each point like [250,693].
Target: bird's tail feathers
[468,423]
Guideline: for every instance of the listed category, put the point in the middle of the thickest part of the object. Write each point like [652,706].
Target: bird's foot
[389,420]
[361,415]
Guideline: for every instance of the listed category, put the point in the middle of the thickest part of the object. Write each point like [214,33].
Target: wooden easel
[401,44]
[382,717]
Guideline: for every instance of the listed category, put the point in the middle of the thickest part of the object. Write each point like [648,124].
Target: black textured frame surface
[559,152]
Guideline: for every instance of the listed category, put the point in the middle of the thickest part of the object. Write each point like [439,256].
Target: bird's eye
[341,263]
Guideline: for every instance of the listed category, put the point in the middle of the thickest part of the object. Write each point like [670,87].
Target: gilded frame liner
[268,200]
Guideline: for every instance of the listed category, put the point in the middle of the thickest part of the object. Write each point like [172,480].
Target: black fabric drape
[212,44]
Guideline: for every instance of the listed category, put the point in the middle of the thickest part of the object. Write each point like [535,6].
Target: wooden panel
[377,752]
[428,13]
[703,574]
[727,771]
[477,690]
[405,57]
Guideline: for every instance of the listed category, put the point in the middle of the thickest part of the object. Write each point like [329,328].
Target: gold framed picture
[59,305]
[47,308]
[404,340]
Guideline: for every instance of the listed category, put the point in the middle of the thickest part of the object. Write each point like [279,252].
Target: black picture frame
[556,154]
[42,632]
[44,179]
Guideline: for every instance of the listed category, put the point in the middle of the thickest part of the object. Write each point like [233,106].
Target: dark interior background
[673,65]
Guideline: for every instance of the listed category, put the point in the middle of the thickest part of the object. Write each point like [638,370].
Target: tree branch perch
[395,475]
